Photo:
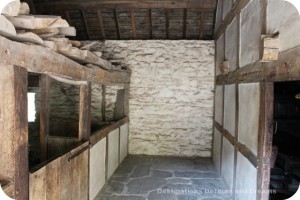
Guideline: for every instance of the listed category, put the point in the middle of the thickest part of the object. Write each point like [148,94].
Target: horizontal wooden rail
[70,152]
[286,68]
[78,153]
[102,133]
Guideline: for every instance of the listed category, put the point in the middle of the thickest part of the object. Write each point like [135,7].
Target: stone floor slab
[164,178]
[143,185]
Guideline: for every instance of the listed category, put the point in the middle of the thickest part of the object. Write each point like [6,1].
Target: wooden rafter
[150,23]
[184,23]
[133,23]
[60,6]
[68,18]
[117,23]
[100,21]
[85,24]
[201,25]
[103,103]
[167,23]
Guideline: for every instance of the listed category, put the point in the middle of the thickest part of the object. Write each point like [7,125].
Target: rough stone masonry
[171,95]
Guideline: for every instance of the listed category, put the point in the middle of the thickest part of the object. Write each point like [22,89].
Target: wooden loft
[39,59]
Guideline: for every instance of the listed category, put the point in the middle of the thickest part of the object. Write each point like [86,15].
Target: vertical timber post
[85,112]
[265,136]
[44,115]
[14,131]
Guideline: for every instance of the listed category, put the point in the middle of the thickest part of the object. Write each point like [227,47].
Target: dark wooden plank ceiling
[135,19]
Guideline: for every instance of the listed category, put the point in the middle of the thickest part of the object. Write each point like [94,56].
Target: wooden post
[126,100]
[44,115]
[265,137]
[14,130]
[120,102]
[85,112]
[103,103]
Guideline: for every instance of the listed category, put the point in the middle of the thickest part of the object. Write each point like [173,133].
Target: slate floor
[165,178]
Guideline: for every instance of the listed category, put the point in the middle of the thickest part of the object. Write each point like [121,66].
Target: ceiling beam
[201,25]
[150,23]
[83,17]
[117,23]
[133,24]
[100,21]
[167,23]
[184,23]
[61,6]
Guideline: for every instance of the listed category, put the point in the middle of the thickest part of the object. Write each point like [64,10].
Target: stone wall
[171,95]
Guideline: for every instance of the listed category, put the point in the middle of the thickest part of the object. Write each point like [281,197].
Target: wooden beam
[167,23]
[150,23]
[236,9]
[201,25]
[133,24]
[265,138]
[117,24]
[60,6]
[85,113]
[99,135]
[119,108]
[286,68]
[14,131]
[44,115]
[243,149]
[103,103]
[184,23]
[83,17]
[68,81]
[126,100]
[42,60]
[100,20]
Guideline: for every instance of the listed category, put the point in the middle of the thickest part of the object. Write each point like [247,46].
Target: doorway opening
[285,160]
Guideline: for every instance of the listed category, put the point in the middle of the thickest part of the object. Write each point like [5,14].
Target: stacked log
[16,23]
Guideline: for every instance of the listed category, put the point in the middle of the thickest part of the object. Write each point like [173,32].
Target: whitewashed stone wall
[171,95]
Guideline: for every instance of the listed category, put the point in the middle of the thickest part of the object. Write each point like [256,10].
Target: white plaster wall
[123,141]
[250,33]
[171,95]
[249,103]
[220,52]
[246,179]
[219,104]
[227,163]
[229,108]
[217,149]
[97,168]
[232,43]
[113,152]
[284,17]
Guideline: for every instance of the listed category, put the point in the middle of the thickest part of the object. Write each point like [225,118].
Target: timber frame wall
[17,60]
[286,68]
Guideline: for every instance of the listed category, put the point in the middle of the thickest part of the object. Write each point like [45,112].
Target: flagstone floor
[165,178]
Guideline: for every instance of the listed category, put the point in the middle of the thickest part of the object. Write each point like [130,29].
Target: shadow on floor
[165,178]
